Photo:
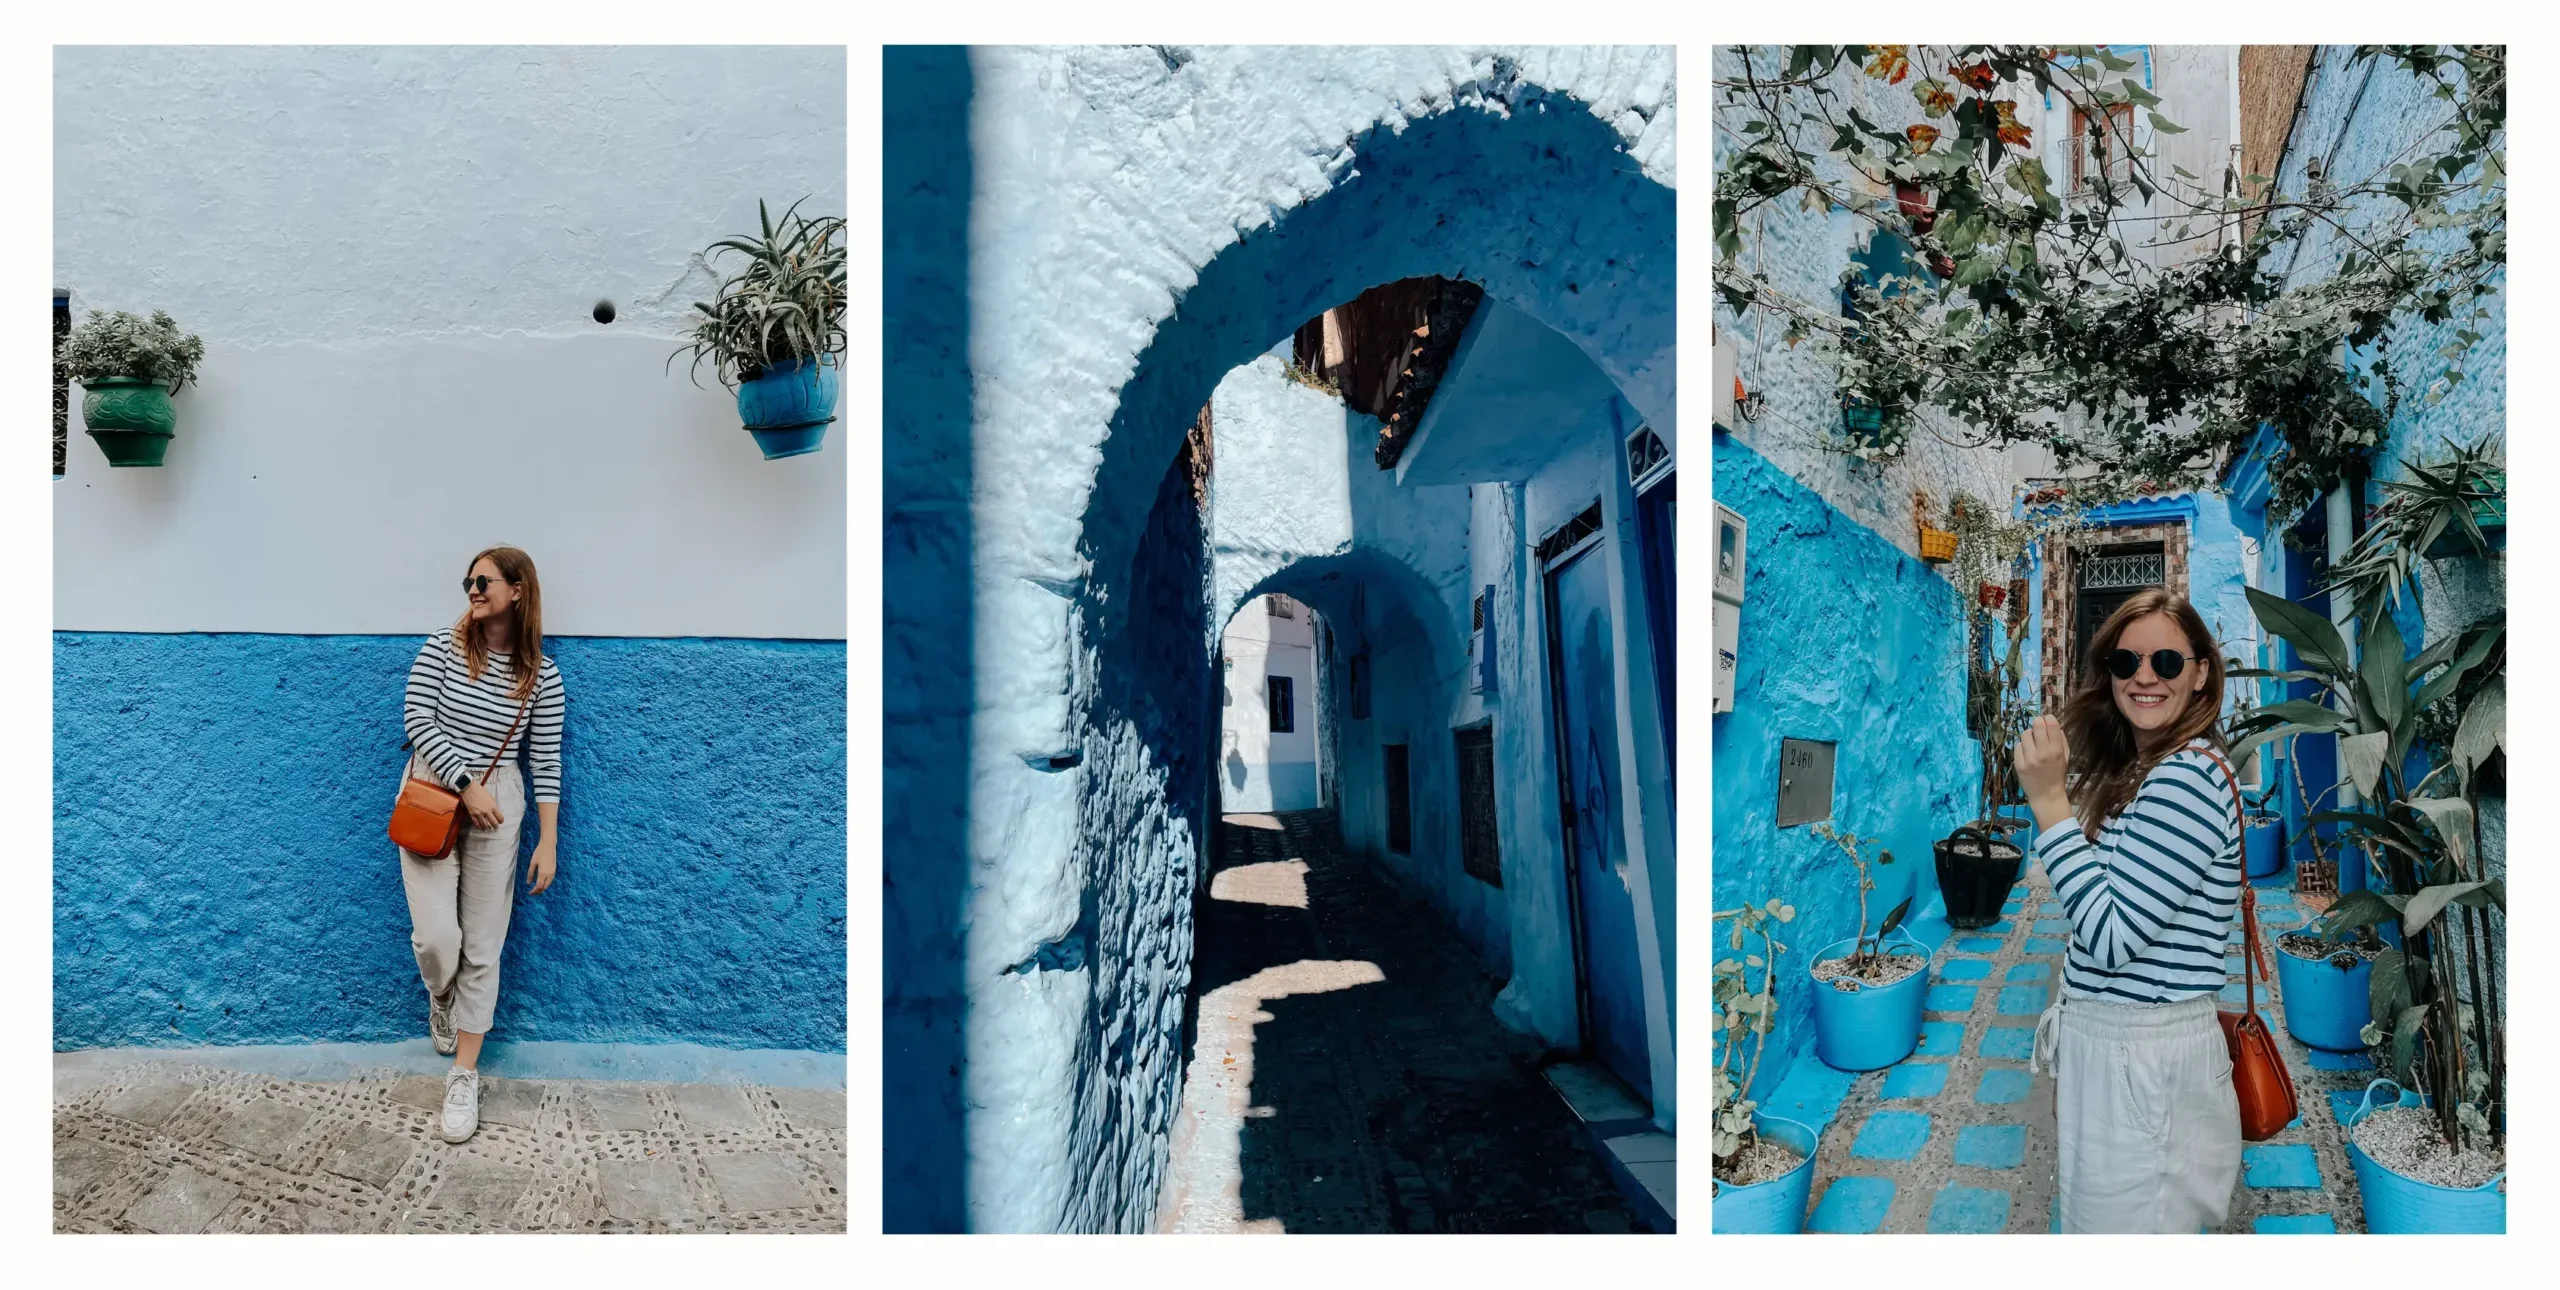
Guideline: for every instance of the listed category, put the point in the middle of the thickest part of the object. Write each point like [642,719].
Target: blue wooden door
[2315,765]
[1586,724]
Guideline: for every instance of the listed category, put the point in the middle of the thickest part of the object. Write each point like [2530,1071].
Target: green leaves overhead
[2147,323]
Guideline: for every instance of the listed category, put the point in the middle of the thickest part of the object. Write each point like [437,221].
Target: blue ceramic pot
[2266,846]
[1775,1207]
[1871,1028]
[787,408]
[2326,1006]
[2395,1204]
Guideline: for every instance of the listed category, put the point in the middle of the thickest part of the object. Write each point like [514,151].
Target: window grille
[1574,530]
[1278,605]
[1480,844]
[1399,800]
[61,384]
[2140,569]
[2109,151]
[1284,704]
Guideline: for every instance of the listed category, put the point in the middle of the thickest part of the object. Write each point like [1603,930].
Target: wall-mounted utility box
[1804,780]
[1726,609]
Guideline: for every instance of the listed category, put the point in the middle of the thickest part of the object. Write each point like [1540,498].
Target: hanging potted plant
[1981,860]
[1937,545]
[2434,1162]
[127,368]
[1763,1163]
[776,333]
[1868,991]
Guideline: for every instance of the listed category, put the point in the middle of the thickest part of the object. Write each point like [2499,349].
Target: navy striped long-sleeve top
[2151,901]
[455,721]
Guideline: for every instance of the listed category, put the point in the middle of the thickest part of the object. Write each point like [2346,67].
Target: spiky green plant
[786,304]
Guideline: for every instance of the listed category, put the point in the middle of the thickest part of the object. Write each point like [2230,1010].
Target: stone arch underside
[1542,207]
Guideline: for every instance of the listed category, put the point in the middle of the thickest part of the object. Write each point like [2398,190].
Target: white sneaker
[461,1104]
[440,1024]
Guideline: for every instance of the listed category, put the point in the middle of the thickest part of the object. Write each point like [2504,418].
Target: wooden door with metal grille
[1480,846]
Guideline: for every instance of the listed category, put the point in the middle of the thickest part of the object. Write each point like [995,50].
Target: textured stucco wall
[391,254]
[1140,222]
[1803,254]
[221,874]
[1843,638]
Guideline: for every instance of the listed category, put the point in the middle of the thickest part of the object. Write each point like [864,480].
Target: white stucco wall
[391,254]
[1104,181]
[1259,768]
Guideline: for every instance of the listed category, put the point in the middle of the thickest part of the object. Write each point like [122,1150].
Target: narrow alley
[1348,1075]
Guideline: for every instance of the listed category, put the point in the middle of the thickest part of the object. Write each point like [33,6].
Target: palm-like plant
[786,304]
[2419,832]
[2437,499]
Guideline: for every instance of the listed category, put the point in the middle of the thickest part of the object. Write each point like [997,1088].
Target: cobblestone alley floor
[1959,1136]
[1349,1075]
[195,1149]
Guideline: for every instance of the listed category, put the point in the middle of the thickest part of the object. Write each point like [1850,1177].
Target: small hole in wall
[604,311]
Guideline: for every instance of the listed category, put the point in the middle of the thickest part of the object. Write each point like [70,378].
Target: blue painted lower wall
[221,874]
[1843,638]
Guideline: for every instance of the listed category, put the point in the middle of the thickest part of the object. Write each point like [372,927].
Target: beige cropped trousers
[459,906]
[2147,1127]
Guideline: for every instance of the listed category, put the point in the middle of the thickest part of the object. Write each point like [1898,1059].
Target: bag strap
[500,755]
[2252,954]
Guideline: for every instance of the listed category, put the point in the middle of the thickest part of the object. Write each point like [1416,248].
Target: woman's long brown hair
[517,567]
[2104,751]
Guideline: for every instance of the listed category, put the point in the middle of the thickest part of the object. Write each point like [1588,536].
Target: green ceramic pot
[130,419]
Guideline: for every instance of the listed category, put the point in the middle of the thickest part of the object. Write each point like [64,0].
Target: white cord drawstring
[2048,1038]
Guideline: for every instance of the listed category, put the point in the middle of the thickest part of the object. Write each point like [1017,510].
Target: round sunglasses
[2165,663]
[481,585]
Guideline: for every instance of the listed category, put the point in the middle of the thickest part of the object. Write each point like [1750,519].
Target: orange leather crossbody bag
[2258,1076]
[427,820]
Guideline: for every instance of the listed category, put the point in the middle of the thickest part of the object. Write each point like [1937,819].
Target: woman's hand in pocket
[483,807]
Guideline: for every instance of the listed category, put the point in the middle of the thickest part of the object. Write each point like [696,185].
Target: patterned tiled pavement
[1349,1075]
[198,1149]
[1958,1137]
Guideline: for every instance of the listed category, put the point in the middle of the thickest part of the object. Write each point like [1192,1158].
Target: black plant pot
[1975,873]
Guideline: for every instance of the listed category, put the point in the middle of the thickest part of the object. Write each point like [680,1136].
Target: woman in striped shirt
[480,692]
[2144,852]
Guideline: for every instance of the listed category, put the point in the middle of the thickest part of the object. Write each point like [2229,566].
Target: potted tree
[776,333]
[2429,1162]
[1763,1163]
[127,368]
[1868,991]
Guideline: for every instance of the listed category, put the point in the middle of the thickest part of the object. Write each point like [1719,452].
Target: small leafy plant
[120,344]
[1745,1015]
[786,304]
[1861,959]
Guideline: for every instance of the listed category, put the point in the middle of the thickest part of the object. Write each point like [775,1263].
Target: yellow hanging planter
[1937,546]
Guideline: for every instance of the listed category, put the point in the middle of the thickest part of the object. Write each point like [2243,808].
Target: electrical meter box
[1726,609]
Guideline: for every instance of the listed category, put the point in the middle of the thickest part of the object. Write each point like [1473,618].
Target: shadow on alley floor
[1348,1074]
[190,1148]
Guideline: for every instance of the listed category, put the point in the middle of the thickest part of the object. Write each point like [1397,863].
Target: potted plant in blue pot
[2327,980]
[127,368]
[776,333]
[2435,997]
[1763,1163]
[1868,991]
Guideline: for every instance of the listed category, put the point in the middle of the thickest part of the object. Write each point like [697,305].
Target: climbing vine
[2087,320]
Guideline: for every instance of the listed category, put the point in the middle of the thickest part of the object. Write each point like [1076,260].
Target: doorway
[1583,677]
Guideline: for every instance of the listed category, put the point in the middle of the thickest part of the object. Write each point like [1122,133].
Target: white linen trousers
[459,906]
[2147,1126]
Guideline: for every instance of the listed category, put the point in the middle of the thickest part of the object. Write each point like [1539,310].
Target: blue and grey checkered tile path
[1959,1136]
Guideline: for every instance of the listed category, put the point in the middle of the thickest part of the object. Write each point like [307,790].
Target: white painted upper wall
[392,254]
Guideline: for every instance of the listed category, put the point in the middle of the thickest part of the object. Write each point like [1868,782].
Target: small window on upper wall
[61,383]
[1284,704]
[2107,151]
[1278,605]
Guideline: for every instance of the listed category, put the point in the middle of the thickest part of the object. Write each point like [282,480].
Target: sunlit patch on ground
[1271,822]
[1277,882]
[1204,1174]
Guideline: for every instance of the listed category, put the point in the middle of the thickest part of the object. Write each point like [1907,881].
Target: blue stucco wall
[221,875]
[1844,638]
